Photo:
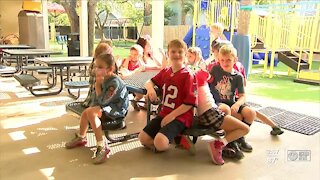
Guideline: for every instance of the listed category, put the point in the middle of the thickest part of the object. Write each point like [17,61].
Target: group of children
[215,87]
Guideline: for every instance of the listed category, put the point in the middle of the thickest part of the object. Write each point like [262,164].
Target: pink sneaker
[77,141]
[215,149]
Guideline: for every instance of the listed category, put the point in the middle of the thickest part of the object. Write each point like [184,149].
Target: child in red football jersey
[178,85]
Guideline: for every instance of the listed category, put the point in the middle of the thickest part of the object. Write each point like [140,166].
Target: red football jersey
[177,88]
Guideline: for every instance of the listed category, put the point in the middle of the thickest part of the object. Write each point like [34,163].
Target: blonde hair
[219,27]
[228,49]
[196,51]
[176,43]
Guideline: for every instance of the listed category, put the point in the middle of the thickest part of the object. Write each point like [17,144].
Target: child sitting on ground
[110,102]
[208,113]
[176,114]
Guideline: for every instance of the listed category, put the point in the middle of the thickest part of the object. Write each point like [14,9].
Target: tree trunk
[91,24]
[183,14]
[147,12]
[244,18]
[70,8]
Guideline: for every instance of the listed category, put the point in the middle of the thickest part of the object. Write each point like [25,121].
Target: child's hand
[166,120]
[100,73]
[235,108]
[152,95]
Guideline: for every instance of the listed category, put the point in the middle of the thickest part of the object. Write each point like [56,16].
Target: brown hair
[104,46]
[142,42]
[109,60]
[177,43]
[228,49]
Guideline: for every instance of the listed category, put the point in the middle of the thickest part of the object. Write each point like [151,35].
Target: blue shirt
[114,99]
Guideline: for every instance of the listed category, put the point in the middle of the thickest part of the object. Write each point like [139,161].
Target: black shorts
[212,118]
[240,108]
[170,130]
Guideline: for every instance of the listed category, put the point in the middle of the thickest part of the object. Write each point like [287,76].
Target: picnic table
[57,64]
[20,54]
[6,70]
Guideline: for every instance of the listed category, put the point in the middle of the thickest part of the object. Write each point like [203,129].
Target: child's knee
[249,114]
[225,108]
[161,142]
[245,128]
[144,138]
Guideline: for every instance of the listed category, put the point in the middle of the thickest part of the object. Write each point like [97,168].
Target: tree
[70,8]
[91,19]
[244,18]
[168,13]
[103,9]
[187,7]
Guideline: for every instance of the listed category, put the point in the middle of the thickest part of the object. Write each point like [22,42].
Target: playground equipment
[291,30]
[207,12]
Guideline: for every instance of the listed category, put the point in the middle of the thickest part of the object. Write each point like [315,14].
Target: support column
[83,18]
[45,23]
[157,26]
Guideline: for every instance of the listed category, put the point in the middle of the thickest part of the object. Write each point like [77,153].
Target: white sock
[82,136]
[224,141]
[100,143]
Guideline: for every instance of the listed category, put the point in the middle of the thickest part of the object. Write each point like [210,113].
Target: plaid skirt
[212,118]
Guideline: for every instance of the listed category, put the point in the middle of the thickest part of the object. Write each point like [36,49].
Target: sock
[100,143]
[224,141]
[246,123]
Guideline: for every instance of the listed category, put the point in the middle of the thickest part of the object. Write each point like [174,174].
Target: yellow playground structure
[292,31]
[288,31]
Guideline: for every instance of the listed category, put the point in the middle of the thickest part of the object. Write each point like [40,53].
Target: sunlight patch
[17,135]
[30,150]
[48,172]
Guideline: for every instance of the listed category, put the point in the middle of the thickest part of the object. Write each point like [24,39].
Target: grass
[281,86]
[121,48]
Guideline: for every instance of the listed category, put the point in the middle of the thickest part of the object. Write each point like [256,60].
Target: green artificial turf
[281,86]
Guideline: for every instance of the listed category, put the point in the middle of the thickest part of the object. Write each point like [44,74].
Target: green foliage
[129,10]
[188,6]
[60,20]
[168,13]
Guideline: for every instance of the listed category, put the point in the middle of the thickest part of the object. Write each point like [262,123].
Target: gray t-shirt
[113,99]
[225,85]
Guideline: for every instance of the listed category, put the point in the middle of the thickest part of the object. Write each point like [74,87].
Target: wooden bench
[77,108]
[76,85]
[27,80]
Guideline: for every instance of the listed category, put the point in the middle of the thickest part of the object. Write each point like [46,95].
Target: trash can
[73,44]
[31,29]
